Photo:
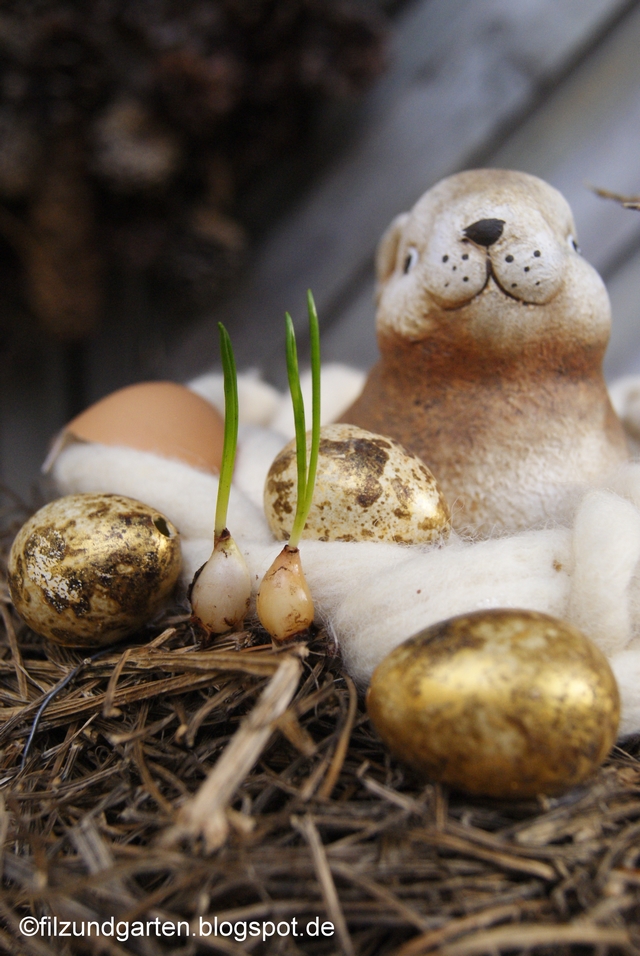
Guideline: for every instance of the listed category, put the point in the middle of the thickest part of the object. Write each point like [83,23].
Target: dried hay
[306,814]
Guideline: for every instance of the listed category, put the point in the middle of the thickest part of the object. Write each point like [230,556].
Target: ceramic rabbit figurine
[492,329]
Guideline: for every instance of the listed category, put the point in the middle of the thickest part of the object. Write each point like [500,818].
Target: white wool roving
[340,385]
[626,667]
[336,569]
[262,404]
[586,576]
[372,596]
[332,572]
[528,570]
[257,448]
[186,495]
[258,402]
[606,549]
[626,482]
[625,398]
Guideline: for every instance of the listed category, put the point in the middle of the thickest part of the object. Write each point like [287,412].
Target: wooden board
[587,131]
[464,71]
[470,82]
[32,409]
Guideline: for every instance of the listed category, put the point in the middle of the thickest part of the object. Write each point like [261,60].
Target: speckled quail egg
[504,703]
[87,570]
[367,488]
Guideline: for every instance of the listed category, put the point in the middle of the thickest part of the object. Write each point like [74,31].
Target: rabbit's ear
[388,247]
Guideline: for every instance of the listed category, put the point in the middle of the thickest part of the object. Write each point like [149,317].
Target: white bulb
[221,589]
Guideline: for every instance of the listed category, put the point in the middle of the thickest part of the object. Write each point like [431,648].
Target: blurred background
[166,165]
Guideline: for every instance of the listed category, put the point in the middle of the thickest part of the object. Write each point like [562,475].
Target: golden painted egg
[87,570]
[504,703]
[368,488]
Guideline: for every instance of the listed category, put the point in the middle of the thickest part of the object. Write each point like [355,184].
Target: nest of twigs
[304,821]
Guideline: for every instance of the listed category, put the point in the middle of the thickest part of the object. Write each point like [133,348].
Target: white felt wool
[626,667]
[584,576]
[625,398]
[258,402]
[529,570]
[261,404]
[257,448]
[606,549]
[339,387]
[626,482]
[185,495]
[372,596]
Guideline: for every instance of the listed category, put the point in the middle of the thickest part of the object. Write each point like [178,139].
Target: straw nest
[168,781]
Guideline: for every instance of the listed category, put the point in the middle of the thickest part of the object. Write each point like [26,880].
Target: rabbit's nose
[484,232]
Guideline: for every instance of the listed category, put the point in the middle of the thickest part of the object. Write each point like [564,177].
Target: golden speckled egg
[89,569]
[504,703]
[368,488]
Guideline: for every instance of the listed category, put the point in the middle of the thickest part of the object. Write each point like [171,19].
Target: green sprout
[230,430]
[284,603]
[306,477]
[220,592]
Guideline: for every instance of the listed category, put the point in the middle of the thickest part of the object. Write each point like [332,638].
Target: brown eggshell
[504,703]
[162,417]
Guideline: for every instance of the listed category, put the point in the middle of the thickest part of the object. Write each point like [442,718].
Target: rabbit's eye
[410,260]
